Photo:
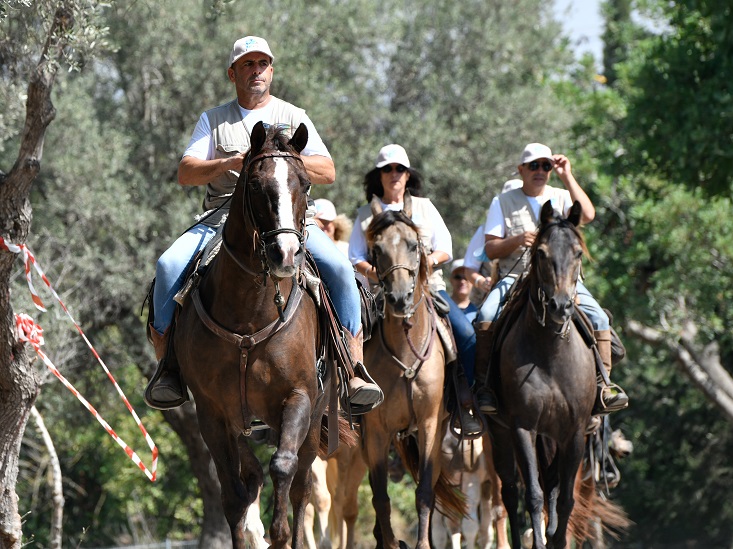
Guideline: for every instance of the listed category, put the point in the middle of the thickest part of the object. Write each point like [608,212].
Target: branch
[39,108]
[58,494]
[710,377]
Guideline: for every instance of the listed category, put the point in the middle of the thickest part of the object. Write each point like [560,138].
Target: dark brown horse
[407,360]
[247,339]
[547,382]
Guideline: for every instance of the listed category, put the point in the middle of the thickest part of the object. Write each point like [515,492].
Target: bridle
[264,238]
[413,271]
[542,300]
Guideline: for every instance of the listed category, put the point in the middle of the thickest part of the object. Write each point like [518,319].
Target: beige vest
[519,218]
[425,231]
[231,137]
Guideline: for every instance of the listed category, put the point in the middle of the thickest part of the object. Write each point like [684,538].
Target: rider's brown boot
[484,395]
[364,394]
[165,389]
[613,397]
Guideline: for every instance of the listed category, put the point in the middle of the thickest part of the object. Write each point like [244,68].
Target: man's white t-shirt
[201,145]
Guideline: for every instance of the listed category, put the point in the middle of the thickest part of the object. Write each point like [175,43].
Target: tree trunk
[18,385]
[215,532]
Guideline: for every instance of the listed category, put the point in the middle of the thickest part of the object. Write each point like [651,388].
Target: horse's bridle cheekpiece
[265,237]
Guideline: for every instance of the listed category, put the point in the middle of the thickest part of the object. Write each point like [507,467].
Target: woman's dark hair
[373,184]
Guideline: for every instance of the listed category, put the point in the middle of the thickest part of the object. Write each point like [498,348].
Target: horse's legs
[439,530]
[300,494]
[470,526]
[504,463]
[376,455]
[547,456]
[527,458]
[351,470]
[285,465]
[569,459]
[320,503]
[238,492]
[309,524]
[428,443]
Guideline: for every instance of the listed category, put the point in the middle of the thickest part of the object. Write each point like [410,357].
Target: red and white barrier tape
[31,332]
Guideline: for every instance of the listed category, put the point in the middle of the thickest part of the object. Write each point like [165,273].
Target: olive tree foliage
[470,83]
[663,254]
[685,76]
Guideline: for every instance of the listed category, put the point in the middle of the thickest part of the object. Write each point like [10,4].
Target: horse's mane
[278,136]
[386,219]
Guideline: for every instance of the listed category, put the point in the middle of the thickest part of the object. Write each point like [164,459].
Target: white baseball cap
[248,44]
[325,209]
[457,264]
[533,151]
[392,154]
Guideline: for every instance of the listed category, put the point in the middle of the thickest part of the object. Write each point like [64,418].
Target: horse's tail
[594,514]
[346,435]
[448,498]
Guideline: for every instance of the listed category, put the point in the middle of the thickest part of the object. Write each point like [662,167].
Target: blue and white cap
[248,44]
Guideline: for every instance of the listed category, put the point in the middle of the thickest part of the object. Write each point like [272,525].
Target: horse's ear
[407,207]
[257,139]
[300,138]
[375,205]
[547,214]
[575,212]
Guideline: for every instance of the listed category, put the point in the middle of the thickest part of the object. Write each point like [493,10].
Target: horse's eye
[412,246]
[579,255]
[541,253]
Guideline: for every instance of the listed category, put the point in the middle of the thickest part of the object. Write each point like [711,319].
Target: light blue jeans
[335,268]
[493,304]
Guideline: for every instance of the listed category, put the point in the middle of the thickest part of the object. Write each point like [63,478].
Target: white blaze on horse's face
[288,242]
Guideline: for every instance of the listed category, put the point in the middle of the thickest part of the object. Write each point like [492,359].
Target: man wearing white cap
[214,157]
[510,229]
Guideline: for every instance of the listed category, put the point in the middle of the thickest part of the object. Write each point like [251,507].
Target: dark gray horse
[547,382]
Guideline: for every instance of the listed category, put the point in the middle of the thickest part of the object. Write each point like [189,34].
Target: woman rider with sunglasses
[510,229]
[388,180]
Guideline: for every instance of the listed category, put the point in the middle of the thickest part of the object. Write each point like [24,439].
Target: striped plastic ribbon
[32,333]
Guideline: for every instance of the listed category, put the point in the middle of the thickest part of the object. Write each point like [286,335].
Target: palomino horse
[547,382]
[246,351]
[470,466]
[407,360]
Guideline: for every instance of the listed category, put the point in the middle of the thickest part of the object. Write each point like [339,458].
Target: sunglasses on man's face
[388,168]
[459,277]
[536,165]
